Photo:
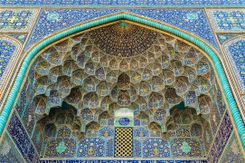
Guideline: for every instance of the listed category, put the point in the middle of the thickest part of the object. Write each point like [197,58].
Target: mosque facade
[122,81]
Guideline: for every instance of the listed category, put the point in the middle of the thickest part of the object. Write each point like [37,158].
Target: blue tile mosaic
[61,148]
[106,132]
[155,147]
[192,20]
[235,50]
[110,148]
[226,36]
[22,102]
[190,161]
[137,148]
[243,98]
[221,139]
[7,49]
[20,37]
[17,20]
[185,147]
[91,147]
[227,19]
[122,2]
[21,139]
[141,132]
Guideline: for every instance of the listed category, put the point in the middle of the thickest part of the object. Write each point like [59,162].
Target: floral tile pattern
[17,20]
[193,20]
[225,20]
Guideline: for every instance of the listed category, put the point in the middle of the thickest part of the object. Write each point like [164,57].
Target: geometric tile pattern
[224,20]
[122,2]
[123,142]
[235,51]
[17,20]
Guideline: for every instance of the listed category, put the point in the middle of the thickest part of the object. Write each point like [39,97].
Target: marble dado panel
[17,20]
[225,20]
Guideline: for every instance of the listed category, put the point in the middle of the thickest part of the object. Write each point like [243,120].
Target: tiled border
[123,2]
[22,139]
[231,61]
[12,61]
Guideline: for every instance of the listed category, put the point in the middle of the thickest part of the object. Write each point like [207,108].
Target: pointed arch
[238,121]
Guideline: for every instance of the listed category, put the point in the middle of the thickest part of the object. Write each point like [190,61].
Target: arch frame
[225,87]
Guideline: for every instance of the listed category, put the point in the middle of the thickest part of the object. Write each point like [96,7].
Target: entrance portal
[171,104]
